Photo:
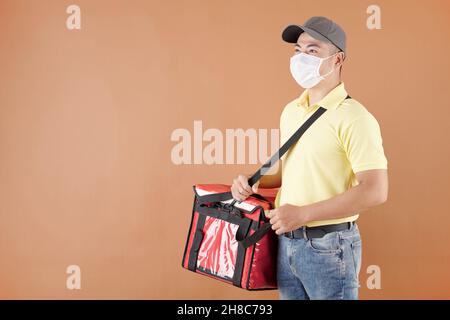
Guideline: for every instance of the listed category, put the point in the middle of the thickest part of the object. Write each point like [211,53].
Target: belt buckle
[291,234]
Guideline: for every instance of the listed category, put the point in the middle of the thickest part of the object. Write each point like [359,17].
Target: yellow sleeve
[363,144]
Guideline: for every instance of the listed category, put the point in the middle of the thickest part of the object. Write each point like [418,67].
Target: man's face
[314,47]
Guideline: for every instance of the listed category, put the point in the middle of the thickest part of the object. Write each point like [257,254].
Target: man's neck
[317,93]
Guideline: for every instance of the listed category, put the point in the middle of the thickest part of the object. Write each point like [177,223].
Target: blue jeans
[320,268]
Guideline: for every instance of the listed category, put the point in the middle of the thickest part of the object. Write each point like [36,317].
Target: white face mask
[305,69]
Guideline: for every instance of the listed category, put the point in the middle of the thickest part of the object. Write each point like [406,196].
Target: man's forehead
[305,39]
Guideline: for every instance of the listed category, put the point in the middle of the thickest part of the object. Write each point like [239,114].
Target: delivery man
[336,170]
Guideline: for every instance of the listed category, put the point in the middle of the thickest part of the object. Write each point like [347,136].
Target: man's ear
[341,58]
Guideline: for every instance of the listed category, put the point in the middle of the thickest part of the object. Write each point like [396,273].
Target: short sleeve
[363,144]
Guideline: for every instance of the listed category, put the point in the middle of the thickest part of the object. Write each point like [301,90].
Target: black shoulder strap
[286,146]
[273,159]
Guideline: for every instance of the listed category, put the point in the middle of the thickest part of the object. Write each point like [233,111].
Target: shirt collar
[331,101]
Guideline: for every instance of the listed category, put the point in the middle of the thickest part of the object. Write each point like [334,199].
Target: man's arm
[371,191]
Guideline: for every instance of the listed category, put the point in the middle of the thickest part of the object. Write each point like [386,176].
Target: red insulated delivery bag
[216,245]
[233,241]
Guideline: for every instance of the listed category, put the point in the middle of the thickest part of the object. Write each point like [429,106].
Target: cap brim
[292,32]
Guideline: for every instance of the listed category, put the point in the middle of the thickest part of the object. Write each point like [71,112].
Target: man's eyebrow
[308,46]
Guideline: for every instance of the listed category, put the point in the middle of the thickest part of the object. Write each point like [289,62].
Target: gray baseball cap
[320,28]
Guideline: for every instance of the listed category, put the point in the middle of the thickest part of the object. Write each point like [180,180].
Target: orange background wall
[86,115]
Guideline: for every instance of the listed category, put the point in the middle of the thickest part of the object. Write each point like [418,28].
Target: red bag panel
[263,264]
[217,254]
[190,239]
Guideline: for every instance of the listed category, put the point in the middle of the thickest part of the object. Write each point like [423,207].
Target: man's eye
[313,51]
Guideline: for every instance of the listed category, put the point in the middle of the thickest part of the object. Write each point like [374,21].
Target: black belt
[317,232]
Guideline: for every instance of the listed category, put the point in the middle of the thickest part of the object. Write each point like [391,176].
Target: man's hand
[288,217]
[240,189]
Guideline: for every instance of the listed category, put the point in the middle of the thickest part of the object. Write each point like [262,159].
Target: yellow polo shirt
[346,139]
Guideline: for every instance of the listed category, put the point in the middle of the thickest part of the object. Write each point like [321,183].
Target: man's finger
[255,187]
[273,216]
[273,220]
[236,195]
[280,231]
[241,191]
[244,183]
[238,191]
[276,226]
